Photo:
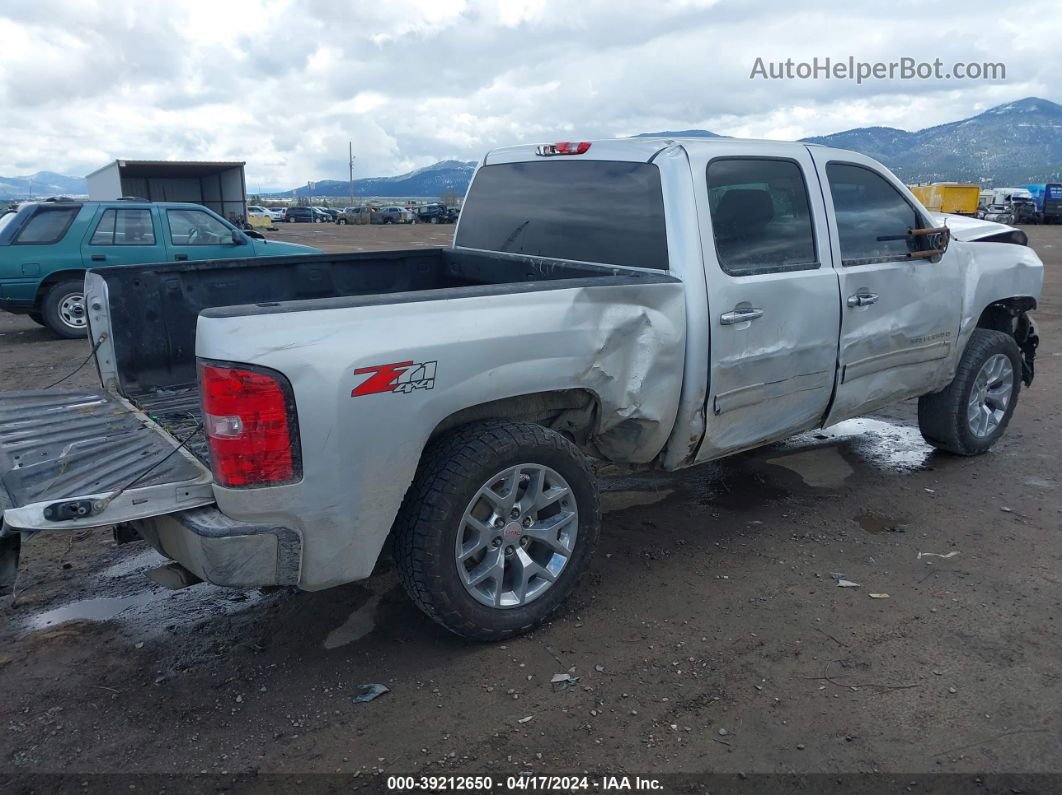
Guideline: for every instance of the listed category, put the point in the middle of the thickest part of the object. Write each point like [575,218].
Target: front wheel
[973,411]
[63,309]
[497,529]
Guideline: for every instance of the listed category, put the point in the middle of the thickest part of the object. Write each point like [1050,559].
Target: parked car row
[435,213]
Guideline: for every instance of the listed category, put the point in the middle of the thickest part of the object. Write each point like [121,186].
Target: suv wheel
[973,411]
[497,528]
[63,309]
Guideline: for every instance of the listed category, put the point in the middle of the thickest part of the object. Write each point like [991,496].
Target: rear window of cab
[602,211]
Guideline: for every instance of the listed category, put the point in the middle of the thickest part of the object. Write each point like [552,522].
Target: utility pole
[350,147]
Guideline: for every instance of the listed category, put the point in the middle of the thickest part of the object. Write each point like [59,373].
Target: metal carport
[221,186]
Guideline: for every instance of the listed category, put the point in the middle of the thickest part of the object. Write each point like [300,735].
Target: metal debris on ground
[951,554]
[370,692]
[525,720]
[563,681]
[847,584]
[878,595]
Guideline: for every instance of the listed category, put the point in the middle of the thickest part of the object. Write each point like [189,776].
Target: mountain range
[433,180]
[1013,144]
[43,183]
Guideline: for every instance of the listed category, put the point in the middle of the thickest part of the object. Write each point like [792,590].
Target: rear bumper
[223,551]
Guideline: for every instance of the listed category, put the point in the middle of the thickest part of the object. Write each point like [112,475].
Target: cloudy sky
[284,84]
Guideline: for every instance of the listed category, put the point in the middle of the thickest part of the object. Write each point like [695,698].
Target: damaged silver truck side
[645,302]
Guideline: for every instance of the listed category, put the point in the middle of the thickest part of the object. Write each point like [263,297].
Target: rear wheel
[497,528]
[973,411]
[63,309]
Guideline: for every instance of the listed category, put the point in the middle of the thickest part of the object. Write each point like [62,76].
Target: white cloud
[285,84]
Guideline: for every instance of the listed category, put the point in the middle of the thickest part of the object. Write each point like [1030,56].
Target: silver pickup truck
[647,302]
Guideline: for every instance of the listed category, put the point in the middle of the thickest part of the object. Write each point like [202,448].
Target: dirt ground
[709,636]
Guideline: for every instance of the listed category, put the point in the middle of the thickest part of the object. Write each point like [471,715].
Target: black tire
[942,416]
[37,318]
[53,313]
[452,470]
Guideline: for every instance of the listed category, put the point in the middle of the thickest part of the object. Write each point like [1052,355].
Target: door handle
[180,257]
[739,315]
[862,299]
[99,257]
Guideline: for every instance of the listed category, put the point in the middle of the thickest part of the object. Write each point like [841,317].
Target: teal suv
[46,247]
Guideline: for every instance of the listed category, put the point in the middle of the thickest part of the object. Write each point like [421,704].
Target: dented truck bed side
[363,434]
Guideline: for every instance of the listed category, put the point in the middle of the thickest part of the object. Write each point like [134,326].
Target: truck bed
[152,310]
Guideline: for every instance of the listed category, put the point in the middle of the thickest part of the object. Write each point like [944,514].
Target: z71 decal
[398,377]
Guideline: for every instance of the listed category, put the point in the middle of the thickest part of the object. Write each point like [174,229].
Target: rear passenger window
[761,219]
[48,225]
[872,217]
[124,228]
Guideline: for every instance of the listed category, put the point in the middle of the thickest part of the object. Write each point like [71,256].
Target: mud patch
[359,624]
[822,468]
[878,524]
[621,500]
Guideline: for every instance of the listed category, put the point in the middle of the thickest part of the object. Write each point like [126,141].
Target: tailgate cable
[80,509]
[92,353]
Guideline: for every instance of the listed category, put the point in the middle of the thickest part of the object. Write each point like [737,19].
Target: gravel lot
[709,635]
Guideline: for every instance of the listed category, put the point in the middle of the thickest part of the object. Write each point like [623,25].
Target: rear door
[197,234]
[75,459]
[899,316]
[122,236]
[772,295]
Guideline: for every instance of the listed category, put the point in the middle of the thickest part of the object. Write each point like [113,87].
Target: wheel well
[1009,315]
[571,412]
[53,279]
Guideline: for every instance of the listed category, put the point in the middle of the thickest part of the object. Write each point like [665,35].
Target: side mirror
[237,238]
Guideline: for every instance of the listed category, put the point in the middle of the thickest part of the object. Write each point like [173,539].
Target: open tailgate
[71,460]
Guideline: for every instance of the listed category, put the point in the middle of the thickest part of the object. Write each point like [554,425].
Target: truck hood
[968,229]
[277,248]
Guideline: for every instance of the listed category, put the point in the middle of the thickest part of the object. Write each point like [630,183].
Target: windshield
[590,211]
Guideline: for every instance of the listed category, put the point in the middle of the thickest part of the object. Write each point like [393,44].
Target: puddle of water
[360,623]
[877,524]
[621,500]
[822,468]
[100,609]
[149,611]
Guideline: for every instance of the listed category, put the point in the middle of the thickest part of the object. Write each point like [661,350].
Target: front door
[772,298]
[122,236]
[198,234]
[899,316]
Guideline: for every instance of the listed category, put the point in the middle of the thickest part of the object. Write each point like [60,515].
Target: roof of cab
[632,149]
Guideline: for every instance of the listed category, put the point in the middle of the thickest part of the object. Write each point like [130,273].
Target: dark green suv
[46,247]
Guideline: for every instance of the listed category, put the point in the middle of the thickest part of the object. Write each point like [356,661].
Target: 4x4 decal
[402,377]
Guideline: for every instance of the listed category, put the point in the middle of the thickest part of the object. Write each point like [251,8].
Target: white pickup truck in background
[645,302]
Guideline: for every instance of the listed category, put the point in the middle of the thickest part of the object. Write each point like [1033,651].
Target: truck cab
[647,303]
[46,247]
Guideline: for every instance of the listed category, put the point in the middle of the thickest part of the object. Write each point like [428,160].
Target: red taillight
[563,148]
[249,416]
